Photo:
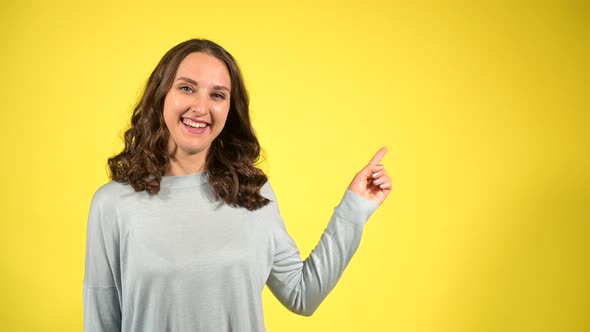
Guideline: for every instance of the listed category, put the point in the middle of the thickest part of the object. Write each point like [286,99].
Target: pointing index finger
[378,156]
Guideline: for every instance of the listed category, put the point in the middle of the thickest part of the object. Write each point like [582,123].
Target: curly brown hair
[233,155]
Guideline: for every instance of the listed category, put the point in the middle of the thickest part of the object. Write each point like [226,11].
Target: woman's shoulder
[111,193]
[267,191]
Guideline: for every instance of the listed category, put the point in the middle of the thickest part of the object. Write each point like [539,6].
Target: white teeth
[193,124]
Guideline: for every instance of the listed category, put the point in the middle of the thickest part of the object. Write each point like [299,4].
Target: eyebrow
[215,87]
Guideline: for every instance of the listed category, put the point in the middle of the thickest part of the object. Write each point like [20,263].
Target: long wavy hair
[233,155]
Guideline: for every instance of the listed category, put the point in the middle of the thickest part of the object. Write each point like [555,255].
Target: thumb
[377,157]
[373,165]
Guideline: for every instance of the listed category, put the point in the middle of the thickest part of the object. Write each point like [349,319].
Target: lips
[194,123]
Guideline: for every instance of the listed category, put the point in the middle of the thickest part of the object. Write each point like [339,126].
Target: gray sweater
[181,261]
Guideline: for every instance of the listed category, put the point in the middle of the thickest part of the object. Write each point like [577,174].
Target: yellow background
[484,108]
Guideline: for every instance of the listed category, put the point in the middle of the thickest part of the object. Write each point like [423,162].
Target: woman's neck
[184,165]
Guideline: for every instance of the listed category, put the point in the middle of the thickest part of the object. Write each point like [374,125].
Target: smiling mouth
[194,124]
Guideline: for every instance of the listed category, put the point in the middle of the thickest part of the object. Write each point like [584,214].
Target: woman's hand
[372,181]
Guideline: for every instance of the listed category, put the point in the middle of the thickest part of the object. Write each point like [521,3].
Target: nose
[199,105]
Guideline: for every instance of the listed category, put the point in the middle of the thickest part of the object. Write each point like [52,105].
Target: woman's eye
[218,95]
[186,88]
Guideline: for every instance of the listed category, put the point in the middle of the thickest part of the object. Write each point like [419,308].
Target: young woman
[188,233]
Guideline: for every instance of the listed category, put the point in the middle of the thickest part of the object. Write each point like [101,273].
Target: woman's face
[197,104]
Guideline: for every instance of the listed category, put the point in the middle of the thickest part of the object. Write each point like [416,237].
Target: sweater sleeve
[302,285]
[101,278]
